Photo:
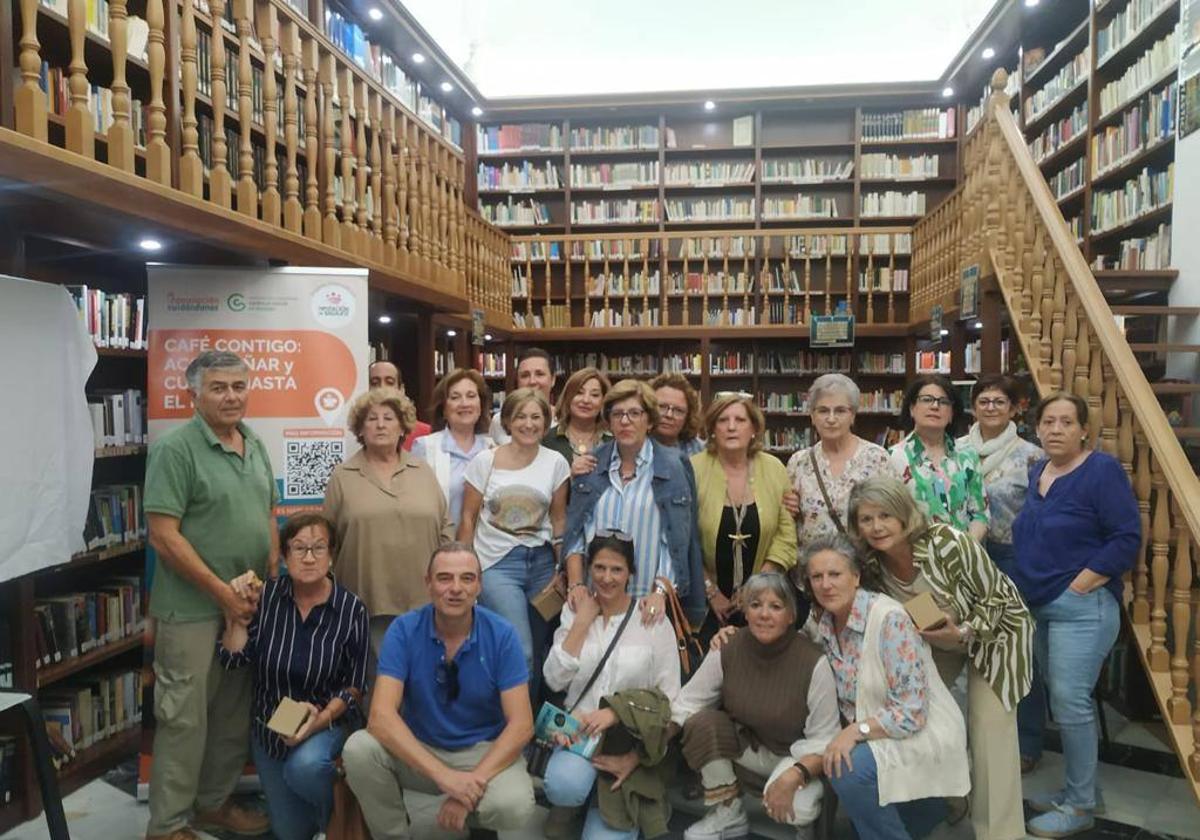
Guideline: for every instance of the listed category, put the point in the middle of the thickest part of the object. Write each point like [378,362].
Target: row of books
[114,516]
[899,244]
[1012,88]
[800,206]
[443,362]
[735,316]
[710,209]
[621,284]
[516,212]
[82,713]
[1063,82]
[892,203]
[615,175]
[1068,179]
[1140,253]
[879,165]
[717,247]
[118,418]
[526,137]
[709,173]
[883,279]
[911,124]
[806,170]
[882,362]
[716,283]
[608,317]
[111,319]
[1148,191]
[787,439]
[616,249]
[937,361]
[1151,122]
[522,176]
[637,249]
[494,364]
[54,83]
[803,362]
[1075,225]
[628,211]
[614,137]
[96,18]
[551,316]
[796,402]
[1126,25]
[785,312]
[1158,60]
[1060,132]
[73,624]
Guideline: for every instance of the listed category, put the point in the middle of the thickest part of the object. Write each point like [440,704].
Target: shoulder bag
[833,514]
[687,638]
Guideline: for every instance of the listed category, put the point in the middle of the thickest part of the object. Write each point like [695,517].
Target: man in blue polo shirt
[450,712]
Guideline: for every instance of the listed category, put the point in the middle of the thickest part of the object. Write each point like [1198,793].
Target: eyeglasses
[298,551]
[671,411]
[633,415]
[447,679]
[992,402]
[931,401]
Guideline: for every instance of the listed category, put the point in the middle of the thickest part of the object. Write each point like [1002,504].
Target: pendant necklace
[738,539]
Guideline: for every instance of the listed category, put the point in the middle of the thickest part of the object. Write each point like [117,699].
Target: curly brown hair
[691,424]
[400,405]
[437,403]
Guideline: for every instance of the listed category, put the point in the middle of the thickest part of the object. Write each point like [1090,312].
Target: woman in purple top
[1077,534]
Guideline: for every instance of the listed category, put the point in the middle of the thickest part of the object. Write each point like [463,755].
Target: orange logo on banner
[293,373]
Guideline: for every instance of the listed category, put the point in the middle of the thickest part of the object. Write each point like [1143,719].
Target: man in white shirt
[534,370]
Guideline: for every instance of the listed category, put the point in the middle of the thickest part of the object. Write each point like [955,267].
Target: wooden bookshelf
[61,670]
[91,762]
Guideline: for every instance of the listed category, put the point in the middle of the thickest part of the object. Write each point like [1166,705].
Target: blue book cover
[552,721]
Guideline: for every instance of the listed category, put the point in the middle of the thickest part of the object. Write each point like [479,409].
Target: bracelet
[804,772]
[577,583]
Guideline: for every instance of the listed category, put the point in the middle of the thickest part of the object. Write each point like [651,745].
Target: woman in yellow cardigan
[744,527]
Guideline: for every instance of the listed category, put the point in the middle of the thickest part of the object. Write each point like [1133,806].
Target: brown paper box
[924,611]
[288,717]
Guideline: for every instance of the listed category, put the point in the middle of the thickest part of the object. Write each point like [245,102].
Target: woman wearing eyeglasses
[644,490]
[308,640]
[678,413]
[388,511]
[744,527]
[944,478]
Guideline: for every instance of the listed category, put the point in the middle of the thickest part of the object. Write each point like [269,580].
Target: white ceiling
[520,48]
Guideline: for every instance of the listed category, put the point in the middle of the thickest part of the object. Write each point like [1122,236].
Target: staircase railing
[1004,219]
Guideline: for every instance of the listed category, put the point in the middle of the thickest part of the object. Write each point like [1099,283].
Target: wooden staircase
[1004,219]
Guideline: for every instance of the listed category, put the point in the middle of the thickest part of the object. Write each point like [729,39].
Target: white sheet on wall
[46,446]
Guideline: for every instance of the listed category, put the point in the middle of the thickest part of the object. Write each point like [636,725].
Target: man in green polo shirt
[209,499]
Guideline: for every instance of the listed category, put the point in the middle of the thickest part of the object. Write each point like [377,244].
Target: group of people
[411,619]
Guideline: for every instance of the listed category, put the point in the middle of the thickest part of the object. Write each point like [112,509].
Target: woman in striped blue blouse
[308,641]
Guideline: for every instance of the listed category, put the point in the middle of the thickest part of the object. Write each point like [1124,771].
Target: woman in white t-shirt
[514,511]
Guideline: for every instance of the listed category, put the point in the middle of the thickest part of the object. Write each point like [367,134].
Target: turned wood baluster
[158,153]
[1045,307]
[404,170]
[293,211]
[247,190]
[1095,397]
[120,132]
[81,137]
[191,167]
[265,20]
[349,241]
[220,184]
[1194,758]
[30,101]
[1125,450]
[1069,343]
[377,197]
[442,199]
[460,213]
[389,184]
[412,216]
[314,162]
[362,245]
[331,234]
[1058,306]
[428,237]
[1179,707]
[1160,548]
[1108,411]
[1083,359]
[1142,484]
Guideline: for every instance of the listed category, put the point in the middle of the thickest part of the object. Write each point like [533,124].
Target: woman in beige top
[389,511]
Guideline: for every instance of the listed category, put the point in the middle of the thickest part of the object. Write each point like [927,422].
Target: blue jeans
[1074,635]
[858,792]
[568,783]
[507,587]
[1031,711]
[299,788]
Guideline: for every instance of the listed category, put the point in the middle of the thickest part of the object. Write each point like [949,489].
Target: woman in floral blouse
[944,479]
[904,749]
[832,467]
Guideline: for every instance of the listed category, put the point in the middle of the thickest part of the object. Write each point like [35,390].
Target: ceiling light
[476,111]
[150,245]
[446,87]
[945,332]
[418,58]
[979,325]
[385,319]
[709,105]
[947,92]
[988,52]
[1031,3]
[375,14]
[451,333]
[487,336]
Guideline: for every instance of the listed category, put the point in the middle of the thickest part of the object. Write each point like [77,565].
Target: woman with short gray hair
[765,701]
[825,473]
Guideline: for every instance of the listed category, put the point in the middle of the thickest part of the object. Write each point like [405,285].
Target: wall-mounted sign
[831,331]
[969,295]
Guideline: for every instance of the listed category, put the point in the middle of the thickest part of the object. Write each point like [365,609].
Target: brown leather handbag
[346,822]
[687,639]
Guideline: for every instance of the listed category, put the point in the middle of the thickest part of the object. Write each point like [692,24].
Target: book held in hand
[552,721]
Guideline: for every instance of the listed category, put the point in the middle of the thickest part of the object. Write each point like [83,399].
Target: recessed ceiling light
[375,14]
[451,333]
[476,111]
[150,245]
[418,58]
[487,336]
[947,92]
[1031,3]
[988,52]
[385,319]
[945,332]
[979,325]
[709,105]
[446,87]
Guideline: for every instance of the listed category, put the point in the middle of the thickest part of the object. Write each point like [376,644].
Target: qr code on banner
[308,464]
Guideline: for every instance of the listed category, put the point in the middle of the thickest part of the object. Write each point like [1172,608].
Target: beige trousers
[996,810]
[719,774]
[202,724]
[379,780]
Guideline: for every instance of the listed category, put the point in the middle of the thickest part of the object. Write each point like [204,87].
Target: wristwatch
[864,729]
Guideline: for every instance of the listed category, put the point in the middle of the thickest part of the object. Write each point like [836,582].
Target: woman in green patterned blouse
[944,479]
[987,627]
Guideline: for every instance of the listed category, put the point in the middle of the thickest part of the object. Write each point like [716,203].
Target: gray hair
[828,384]
[212,360]
[774,583]
[832,541]
[452,547]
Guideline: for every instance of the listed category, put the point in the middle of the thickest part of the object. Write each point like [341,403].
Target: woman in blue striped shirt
[308,641]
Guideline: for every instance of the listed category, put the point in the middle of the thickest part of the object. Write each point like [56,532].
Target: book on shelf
[800,206]
[1153,67]
[1012,88]
[494,364]
[787,440]
[111,319]
[805,170]
[615,211]
[631,317]
[881,165]
[536,251]
[717,247]
[893,203]
[53,81]
[911,124]
[1139,253]
[1147,191]
[615,175]
[526,137]
[634,250]
[803,362]
[1063,82]
[520,284]
[89,710]
[114,516]
[619,284]
[879,401]
[1142,127]
[79,622]
[816,245]
[1068,180]
[614,138]
[708,173]
[734,316]
[118,417]
[729,209]
[885,244]
[1060,132]
[869,362]
[883,279]
[513,211]
[1126,25]
[779,313]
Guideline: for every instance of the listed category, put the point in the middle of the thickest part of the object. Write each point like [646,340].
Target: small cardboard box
[925,612]
[288,717]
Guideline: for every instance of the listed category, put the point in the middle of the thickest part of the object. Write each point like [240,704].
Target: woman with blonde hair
[679,415]
[580,427]
[744,527]
[986,627]
[458,408]
[388,511]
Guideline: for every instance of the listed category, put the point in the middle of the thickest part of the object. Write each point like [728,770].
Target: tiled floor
[1140,804]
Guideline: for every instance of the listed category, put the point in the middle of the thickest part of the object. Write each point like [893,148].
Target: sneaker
[1063,821]
[1047,802]
[722,822]
[235,819]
